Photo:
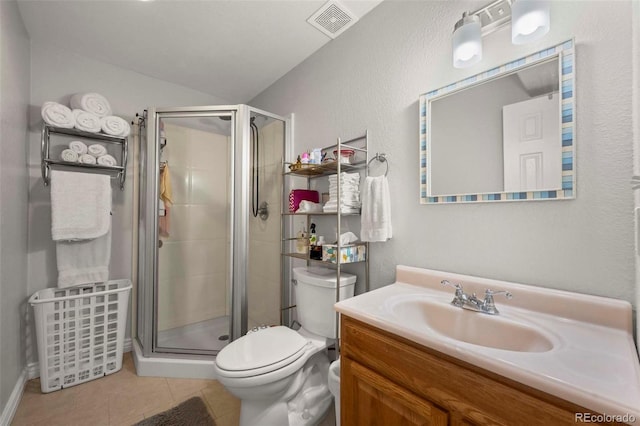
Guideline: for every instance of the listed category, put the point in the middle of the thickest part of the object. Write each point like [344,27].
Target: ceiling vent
[332,19]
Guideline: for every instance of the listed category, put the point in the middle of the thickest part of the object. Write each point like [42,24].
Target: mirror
[506,134]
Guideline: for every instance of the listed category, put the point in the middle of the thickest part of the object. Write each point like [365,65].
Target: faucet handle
[458,287]
[488,306]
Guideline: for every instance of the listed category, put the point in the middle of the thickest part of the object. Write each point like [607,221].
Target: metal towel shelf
[119,172]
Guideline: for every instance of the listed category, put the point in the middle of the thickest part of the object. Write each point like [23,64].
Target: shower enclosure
[208,231]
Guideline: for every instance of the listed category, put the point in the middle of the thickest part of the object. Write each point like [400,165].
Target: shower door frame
[240,208]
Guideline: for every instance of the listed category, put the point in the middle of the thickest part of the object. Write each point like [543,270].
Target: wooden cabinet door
[373,400]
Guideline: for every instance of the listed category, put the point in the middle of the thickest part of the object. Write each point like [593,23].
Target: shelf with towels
[47,162]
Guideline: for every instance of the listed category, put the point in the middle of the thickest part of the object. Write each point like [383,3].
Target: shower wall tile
[207,150]
[179,219]
[208,222]
[208,187]
[180,183]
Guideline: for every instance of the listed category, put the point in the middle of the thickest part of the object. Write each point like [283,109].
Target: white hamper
[80,332]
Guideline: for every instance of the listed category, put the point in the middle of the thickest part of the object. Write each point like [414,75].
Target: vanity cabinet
[389,380]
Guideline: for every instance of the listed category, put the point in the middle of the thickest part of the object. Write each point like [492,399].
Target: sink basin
[467,326]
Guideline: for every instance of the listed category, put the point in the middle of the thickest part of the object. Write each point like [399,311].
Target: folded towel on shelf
[94,103]
[58,115]
[115,126]
[309,207]
[376,210]
[80,205]
[97,150]
[86,159]
[83,262]
[86,121]
[78,146]
[69,155]
[107,160]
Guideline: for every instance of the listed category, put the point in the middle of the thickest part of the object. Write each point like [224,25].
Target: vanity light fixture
[530,21]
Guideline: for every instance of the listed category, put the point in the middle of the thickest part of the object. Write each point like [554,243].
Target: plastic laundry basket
[80,332]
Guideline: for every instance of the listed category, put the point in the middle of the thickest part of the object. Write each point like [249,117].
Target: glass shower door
[193,293]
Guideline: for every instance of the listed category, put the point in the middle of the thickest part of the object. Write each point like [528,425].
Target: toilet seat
[261,352]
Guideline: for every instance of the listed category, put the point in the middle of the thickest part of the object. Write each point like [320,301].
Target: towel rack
[119,172]
[381,157]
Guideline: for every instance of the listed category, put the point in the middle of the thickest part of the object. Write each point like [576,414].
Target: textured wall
[371,77]
[56,75]
[14,100]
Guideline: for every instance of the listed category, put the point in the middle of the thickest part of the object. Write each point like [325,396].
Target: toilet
[280,375]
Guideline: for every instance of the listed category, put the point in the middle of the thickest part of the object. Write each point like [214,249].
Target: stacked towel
[376,210]
[94,103]
[78,146]
[349,193]
[96,150]
[107,160]
[81,226]
[86,121]
[86,159]
[115,126]
[58,115]
[69,156]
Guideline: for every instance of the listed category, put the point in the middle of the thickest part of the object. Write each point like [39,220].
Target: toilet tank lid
[259,349]
[323,277]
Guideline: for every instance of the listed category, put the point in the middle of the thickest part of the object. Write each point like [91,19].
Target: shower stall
[210,192]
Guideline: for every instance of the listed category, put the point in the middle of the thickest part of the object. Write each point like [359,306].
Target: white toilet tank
[315,289]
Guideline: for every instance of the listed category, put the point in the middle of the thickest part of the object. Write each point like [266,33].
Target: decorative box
[348,253]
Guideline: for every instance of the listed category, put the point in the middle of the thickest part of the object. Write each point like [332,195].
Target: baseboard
[33,369]
[14,400]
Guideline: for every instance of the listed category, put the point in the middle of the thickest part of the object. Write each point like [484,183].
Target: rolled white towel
[87,121]
[107,160]
[87,159]
[96,150]
[58,115]
[115,126]
[78,146]
[69,155]
[94,103]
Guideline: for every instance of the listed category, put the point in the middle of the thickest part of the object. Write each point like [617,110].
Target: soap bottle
[313,238]
[302,242]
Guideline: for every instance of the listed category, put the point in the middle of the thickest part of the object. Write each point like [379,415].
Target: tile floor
[123,398]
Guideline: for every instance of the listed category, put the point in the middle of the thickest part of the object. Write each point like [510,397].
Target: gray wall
[56,75]
[14,99]
[371,77]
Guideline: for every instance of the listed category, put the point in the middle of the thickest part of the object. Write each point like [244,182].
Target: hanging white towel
[94,103]
[58,115]
[83,262]
[376,210]
[80,205]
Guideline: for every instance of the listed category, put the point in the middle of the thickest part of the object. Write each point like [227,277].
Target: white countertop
[593,362]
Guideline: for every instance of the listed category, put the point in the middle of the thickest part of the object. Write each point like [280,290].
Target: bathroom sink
[493,331]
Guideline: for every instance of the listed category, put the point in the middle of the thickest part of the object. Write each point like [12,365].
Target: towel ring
[381,157]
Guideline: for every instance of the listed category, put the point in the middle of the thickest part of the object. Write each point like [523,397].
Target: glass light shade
[529,20]
[467,42]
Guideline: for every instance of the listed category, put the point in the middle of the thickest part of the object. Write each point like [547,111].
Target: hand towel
[96,150]
[80,205]
[83,262]
[86,121]
[166,193]
[115,126]
[94,103]
[69,155]
[78,146]
[107,160]
[58,115]
[86,159]
[376,210]
[164,222]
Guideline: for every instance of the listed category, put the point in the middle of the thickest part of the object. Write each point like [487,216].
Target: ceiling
[233,49]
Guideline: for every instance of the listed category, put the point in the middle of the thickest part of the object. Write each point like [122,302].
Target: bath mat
[192,412]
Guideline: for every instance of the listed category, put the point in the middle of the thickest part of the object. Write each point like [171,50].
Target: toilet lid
[260,349]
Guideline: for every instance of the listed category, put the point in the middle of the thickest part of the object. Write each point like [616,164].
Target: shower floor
[203,335]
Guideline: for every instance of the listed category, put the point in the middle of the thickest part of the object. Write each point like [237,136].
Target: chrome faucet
[471,302]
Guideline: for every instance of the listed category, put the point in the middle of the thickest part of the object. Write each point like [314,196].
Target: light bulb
[530,20]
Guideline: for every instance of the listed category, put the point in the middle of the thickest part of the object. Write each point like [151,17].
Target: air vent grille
[332,19]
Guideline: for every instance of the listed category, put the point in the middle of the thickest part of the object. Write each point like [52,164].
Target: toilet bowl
[280,375]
